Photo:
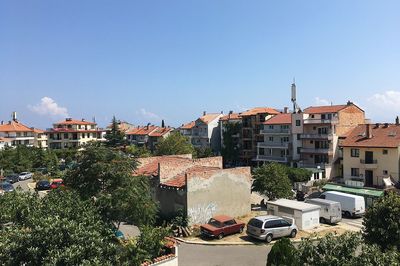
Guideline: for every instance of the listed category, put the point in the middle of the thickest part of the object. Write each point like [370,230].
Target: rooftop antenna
[293,99]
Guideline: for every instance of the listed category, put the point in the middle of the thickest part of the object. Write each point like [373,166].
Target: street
[23,185]
[201,255]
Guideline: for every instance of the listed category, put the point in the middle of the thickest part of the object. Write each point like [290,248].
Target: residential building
[187,130]
[123,126]
[252,123]
[40,139]
[201,187]
[231,127]
[318,129]
[4,142]
[371,154]
[72,133]
[148,136]
[17,133]
[205,133]
[277,144]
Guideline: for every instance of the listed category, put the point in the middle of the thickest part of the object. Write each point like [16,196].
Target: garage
[306,215]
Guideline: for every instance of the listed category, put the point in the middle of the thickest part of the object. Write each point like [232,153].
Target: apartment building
[17,133]
[205,132]
[187,130]
[371,154]
[123,126]
[40,138]
[277,143]
[252,123]
[72,133]
[148,136]
[317,131]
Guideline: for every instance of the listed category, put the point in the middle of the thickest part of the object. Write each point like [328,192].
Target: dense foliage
[115,137]
[382,222]
[272,181]
[230,149]
[203,152]
[298,174]
[348,250]
[174,144]
[106,176]
[137,152]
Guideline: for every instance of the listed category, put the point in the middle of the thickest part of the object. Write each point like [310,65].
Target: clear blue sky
[147,60]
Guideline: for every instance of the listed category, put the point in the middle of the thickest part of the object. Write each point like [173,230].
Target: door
[369,174]
[284,228]
[369,157]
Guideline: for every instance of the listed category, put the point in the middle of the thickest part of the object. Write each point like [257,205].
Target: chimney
[349,103]
[368,131]
[204,112]
[397,121]
[14,116]
[285,110]
[83,120]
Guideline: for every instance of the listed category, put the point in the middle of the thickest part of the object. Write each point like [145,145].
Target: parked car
[12,178]
[352,205]
[6,187]
[56,183]
[25,175]
[42,185]
[330,212]
[220,226]
[269,227]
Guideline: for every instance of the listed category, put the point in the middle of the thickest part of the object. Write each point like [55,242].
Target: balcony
[316,151]
[317,136]
[272,158]
[311,121]
[275,131]
[321,166]
[281,145]
[369,164]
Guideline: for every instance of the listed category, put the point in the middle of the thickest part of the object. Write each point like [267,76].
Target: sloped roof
[382,136]
[280,119]
[189,125]
[151,169]
[233,116]
[5,139]
[15,126]
[208,118]
[260,110]
[38,130]
[179,180]
[161,131]
[328,108]
[68,121]
[143,130]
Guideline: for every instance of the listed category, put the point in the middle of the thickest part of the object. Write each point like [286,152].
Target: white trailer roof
[294,204]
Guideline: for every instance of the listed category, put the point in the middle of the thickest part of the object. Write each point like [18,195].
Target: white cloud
[320,101]
[386,100]
[48,106]
[148,115]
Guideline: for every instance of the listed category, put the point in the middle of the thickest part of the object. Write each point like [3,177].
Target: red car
[220,226]
[56,183]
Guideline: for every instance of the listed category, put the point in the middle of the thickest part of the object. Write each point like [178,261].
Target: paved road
[23,185]
[199,255]
[356,222]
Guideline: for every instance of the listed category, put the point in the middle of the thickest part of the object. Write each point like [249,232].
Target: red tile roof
[280,119]
[382,136]
[188,125]
[179,180]
[151,169]
[37,130]
[324,109]
[161,131]
[260,110]
[142,130]
[5,139]
[74,122]
[208,118]
[15,126]
[234,116]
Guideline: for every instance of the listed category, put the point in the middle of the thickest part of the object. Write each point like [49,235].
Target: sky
[144,61]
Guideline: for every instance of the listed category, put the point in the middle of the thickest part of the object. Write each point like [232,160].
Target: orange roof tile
[279,119]
[161,131]
[260,110]
[208,118]
[144,130]
[5,139]
[180,179]
[188,125]
[15,126]
[233,116]
[74,122]
[324,109]
[151,169]
[382,136]
[37,130]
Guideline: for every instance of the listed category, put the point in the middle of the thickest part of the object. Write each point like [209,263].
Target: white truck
[330,212]
[352,205]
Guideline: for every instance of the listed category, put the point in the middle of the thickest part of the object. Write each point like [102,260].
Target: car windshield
[6,186]
[215,223]
[256,223]
[23,173]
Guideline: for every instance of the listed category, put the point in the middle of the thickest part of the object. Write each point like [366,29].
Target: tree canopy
[174,144]
[230,149]
[272,181]
[115,137]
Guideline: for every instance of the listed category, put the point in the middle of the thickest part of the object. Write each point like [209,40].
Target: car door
[273,227]
[284,228]
[229,227]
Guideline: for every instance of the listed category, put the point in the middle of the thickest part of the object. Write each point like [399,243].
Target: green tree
[174,144]
[298,174]
[105,175]
[137,152]
[382,222]
[272,180]
[59,229]
[115,137]
[282,253]
[230,149]
[203,152]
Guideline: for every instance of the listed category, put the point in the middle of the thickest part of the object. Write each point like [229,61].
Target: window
[323,116]
[65,135]
[271,138]
[261,151]
[298,150]
[230,222]
[385,152]
[385,172]
[271,127]
[298,136]
[298,123]
[355,153]
[355,172]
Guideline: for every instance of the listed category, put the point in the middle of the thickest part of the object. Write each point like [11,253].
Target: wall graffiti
[202,212]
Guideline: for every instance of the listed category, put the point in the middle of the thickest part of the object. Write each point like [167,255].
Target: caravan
[352,205]
[330,212]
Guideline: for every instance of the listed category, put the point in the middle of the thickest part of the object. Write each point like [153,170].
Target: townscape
[322,173]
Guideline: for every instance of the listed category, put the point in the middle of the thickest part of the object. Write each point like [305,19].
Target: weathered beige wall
[349,118]
[218,192]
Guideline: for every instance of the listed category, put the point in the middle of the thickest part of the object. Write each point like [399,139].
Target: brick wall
[349,118]
[148,160]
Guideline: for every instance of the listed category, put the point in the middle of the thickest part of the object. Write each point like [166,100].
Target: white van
[352,205]
[330,212]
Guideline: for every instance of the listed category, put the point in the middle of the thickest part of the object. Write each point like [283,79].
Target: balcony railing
[320,121]
[312,165]
[272,158]
[275,131]
[368,161]
[316,150]
[316,136]
[283,145]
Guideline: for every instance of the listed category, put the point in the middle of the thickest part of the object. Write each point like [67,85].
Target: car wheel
[347,214]
[220,236]
[322,220]
[293,233]
[241,230]
[268,238]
